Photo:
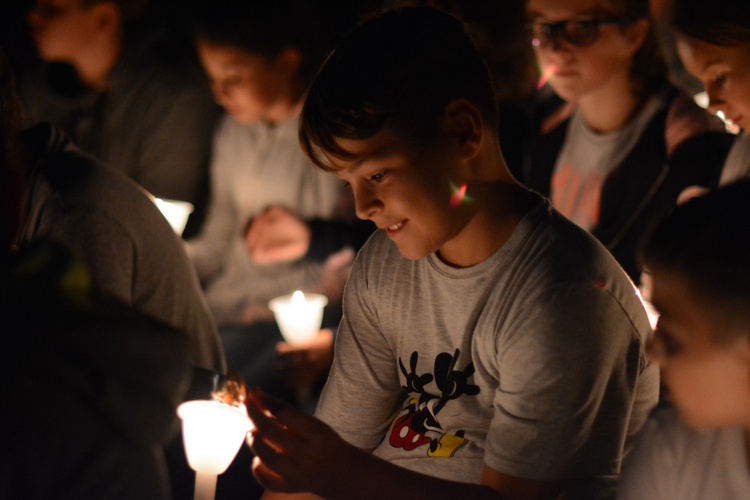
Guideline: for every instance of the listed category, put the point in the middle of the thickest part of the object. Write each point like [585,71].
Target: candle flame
[298,297]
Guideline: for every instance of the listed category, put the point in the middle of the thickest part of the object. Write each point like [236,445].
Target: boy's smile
[405,190]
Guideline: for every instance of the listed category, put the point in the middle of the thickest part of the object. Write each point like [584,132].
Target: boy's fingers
[266,477]
[273,431]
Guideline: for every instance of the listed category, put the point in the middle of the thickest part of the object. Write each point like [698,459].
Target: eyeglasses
[577,33]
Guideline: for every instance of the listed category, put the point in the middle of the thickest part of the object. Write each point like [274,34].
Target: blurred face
[62,29]
[724,72]
[581,45]
[247,86]
[709,383]
[405,191]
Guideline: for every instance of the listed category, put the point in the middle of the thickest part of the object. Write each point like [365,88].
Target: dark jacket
[681,146]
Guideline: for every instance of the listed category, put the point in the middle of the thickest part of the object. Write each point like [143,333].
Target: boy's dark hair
[707,241]
[398,70]
[266,27]
[719,22]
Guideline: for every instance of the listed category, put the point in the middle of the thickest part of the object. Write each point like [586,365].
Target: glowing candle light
[212,434]
[299,316]
[176,212]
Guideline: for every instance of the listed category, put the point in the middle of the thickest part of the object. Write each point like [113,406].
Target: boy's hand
[302,365]
[277,235]
[295,452]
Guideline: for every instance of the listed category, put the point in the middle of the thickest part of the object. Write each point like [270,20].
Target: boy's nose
[366,204]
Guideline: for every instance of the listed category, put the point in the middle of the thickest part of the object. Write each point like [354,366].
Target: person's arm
[279,235]
[208,250]
[297,453]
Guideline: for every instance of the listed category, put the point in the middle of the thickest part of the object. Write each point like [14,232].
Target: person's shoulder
[687,120]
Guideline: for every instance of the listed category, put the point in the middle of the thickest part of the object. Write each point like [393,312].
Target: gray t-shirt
[531,362]
[588,157]
[254,167]
[672,461]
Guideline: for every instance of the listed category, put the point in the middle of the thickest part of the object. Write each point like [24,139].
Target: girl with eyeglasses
[614,143]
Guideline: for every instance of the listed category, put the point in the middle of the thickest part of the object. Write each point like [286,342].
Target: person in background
[489,348]
[90,383]
[111,78]
[697,446]
[714,46]
[615,143]
[259,58]
[66,195]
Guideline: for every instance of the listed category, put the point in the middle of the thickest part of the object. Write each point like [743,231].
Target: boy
[485,338]
[696,447]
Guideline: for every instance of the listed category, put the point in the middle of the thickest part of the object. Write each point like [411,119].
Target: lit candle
[176,212]
[299,316]
[212,433]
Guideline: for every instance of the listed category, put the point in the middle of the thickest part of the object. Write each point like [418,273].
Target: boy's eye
[721,80]
[377,177]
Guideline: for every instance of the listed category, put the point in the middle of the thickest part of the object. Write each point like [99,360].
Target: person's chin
[411,253]
[243,118]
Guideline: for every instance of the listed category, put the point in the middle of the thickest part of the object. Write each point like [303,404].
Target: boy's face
[405,190]
[709,383]
[247,86]
[580,59]
[724,72]
[61,29]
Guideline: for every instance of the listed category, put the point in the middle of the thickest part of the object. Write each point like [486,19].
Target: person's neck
[497,203]
[95,65]
[610,108]
[287,107]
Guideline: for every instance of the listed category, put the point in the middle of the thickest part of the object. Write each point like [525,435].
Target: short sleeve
[363,389]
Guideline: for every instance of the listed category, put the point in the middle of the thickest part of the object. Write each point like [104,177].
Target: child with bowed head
[713,41]
[698,261]
[488,346]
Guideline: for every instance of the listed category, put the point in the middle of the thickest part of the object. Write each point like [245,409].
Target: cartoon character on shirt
[418,425]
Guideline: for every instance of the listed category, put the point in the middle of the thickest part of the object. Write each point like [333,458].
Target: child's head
[713,40]
[397,71]
[698,259]
[64,29]
[402,111]
[259,54]
[583,45]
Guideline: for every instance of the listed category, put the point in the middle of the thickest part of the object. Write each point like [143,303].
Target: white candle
[176,212]
[299,316]
[212,433]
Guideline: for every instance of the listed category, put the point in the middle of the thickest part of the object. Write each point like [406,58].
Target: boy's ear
[465,125]
[107,16]
[289,60]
